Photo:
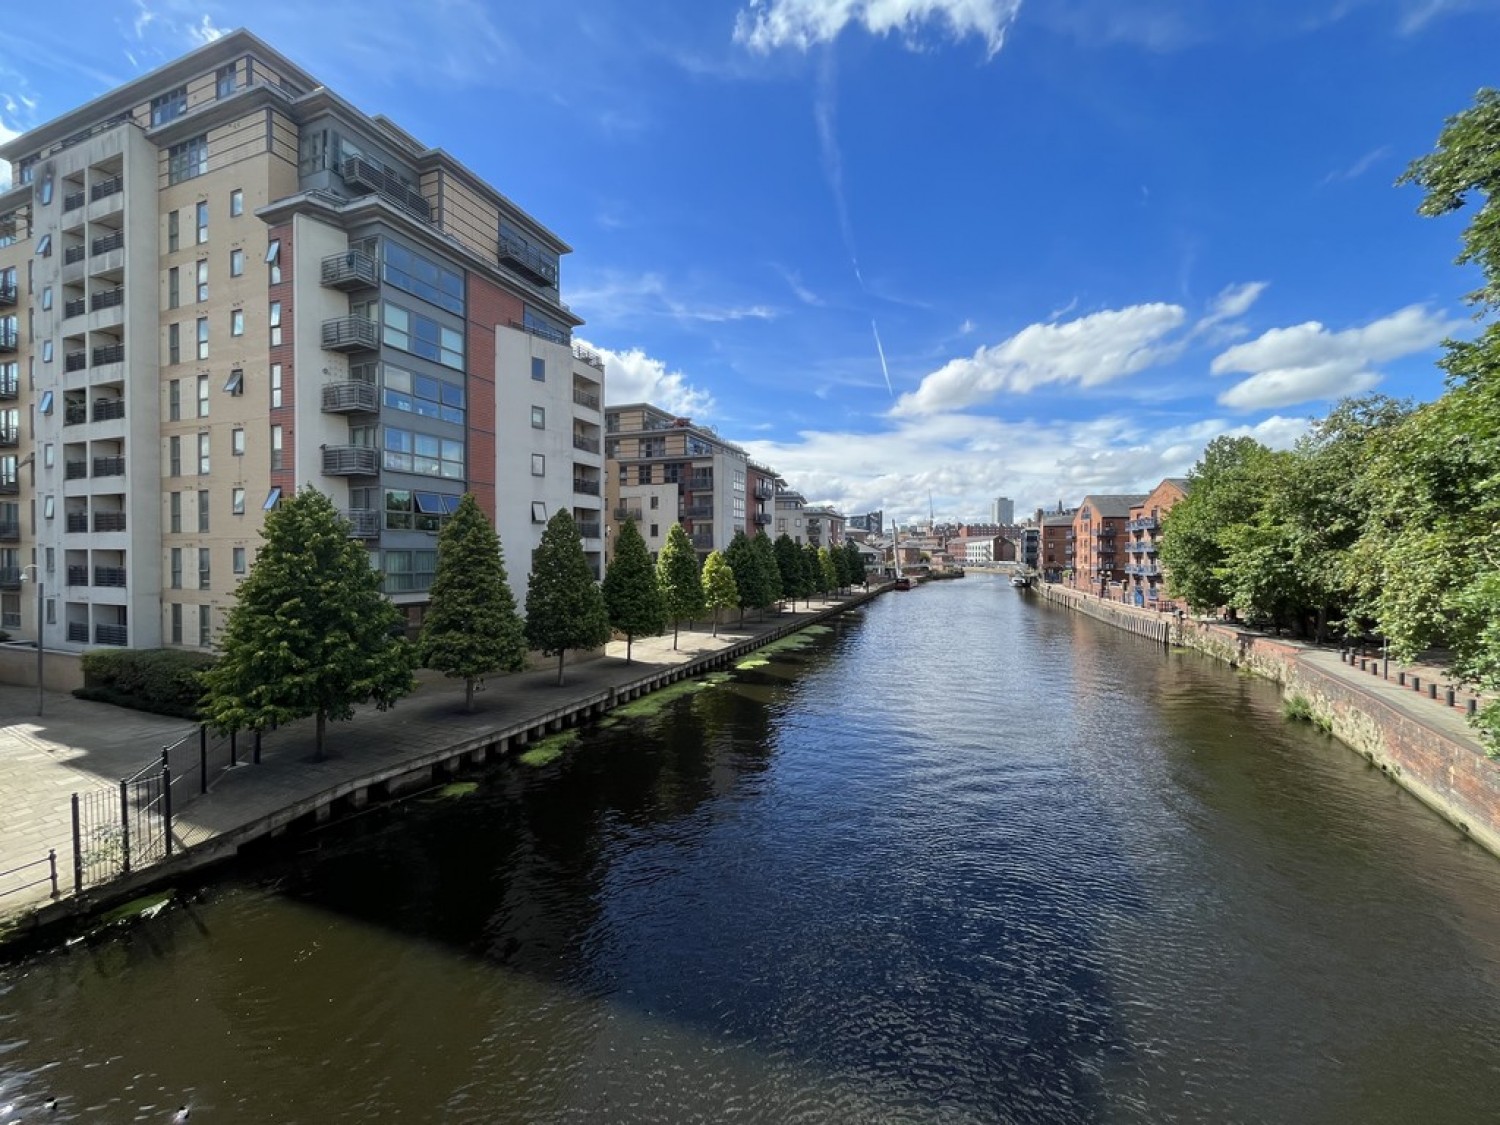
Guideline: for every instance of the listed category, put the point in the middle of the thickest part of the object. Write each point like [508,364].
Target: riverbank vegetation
[1385,518]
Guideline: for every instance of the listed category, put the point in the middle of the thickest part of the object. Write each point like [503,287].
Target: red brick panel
[489,306]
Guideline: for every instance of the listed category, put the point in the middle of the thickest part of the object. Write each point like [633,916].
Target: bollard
[1472,706]
[1416,683]
[1362,663]
[1401,678]
[52,866]
[1432,691]
[1451,697]
[202,759]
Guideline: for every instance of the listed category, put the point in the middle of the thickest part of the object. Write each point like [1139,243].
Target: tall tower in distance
[1003,510]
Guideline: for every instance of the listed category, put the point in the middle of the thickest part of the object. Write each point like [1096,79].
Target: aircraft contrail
[881,351]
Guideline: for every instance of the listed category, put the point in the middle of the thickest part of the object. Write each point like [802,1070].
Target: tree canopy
[564,608]
[471,628]
[791,568]
[310,632]
[631,594]
[720,590]
[678,576]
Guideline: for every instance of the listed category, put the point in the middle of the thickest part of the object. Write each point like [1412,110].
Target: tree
[840,565]
[310,632]
[678,576]
[720,591]
[829,571]
[789,568]
[631,594]
[751,582]
[472,628]
[768,573]
[855,562]
[564,608]
[813,566]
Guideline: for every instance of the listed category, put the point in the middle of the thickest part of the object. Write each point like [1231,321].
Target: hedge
[164,681]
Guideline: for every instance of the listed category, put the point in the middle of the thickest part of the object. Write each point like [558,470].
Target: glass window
[176,569]
[538,418]
[538,465]
[203,337]
[187,160]
[236,203]
[237,501]
[273,260]
[174,457]
[237,322]
[203,396]
[539,369]
[275,324]
[45,191]
[202,221]
[174,343]
[203,510]
[405,451]
[272,498]
[538,512]
[236,263]
[236,382]
[275,447]
[174,511]
[44,246]
[421,277]
[49,508]
[174,287]
[46,403]
[169,106]
[275,385]
[224,81]
[173,231]
[238,556]
[424,395]
[47,297]
[203,455]
[177,615]
[204,568]
[420,335]
[205,622]
[203,279]
[46,351]
[237,441]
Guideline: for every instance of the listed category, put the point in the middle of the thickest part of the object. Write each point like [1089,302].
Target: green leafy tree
[855,563]
[790,569]
[767,572]
[631,594]
[472,628]
[720,591]
[740,556]
[829,569]
[564,608]
[681,582]
[840,565]
[813,567]
[309,632]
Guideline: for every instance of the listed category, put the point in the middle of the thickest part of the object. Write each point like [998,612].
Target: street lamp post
[40,589]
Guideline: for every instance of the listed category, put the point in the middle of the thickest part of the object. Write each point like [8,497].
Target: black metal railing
[75,414]
[111,635]
[106,299]
[108,353]
[588,487]
[627,514]
[353,269]
[32,875]
[10,435]
[109,466]
[347,333]
[115,240]
[75,361]
[74,254]
[703,540]
[700,482]
[109,521]
[528,262]
[10,578]
[589,529]
[350,397]
[110,576]
[105,188]
[108,409]
[75,470]
[697,511]
[586,443]
[586,398]
[350,460]
[10,531]
[75,306]
[10,387]
[73,200]
[364,523]
[77,522]
[78,631]
[9,484]
[9,338]
[79,576]
[358,173]
[588,356]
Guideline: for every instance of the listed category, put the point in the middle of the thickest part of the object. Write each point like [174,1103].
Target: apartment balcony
[586,398]
[698,482]
[75,470]
[9,338]
[1145,523]
[589,529]
[75,306]
[113,576]
[75,414]
[77,523]
[10,578]
[107,354]
[585,486]
[109,521]
[764,490]
[10,485]
[8,296]
[109,467]
[350,461]
[10,387]
[763,519]
[73,200]
[9,436]
[628,514]
[106,188]
[353,269]
[703,540]
[10,531]
[350,333]
[75,361]
[78,576]
[108,635]
[108,409]
[365,175]
[587,444]
[74,254]
[364,523]
[351,397]
[107,299]
[585,355]
[78,632]
[115,240]
[529,263]
[697,512]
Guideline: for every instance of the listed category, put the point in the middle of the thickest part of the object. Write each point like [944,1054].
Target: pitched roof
[1113,504]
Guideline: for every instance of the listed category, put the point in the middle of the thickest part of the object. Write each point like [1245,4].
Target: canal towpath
[78,745]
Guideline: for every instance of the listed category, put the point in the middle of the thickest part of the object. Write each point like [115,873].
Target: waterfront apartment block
[665,469]
[1055,544]
[1145,580]
[806,523]
[221,283]
[1099,541]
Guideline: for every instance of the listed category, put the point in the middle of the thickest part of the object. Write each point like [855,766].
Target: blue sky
[970,248]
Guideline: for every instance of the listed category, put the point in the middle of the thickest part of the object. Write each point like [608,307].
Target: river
[964,858]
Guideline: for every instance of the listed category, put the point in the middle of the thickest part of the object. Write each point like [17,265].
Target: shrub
[165,681]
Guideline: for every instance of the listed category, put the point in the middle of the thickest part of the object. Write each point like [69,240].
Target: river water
[965,858]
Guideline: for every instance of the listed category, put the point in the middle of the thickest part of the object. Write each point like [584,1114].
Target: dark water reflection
[966,859]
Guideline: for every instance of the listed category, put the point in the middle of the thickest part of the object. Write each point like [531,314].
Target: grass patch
[752,662]
[455,789]
[549,749]
[1298,709]
[147,906]
[649,705]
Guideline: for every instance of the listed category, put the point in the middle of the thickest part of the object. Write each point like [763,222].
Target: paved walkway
[78,745]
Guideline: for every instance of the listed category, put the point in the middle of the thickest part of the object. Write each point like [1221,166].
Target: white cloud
[1087,351]
[633,376]
[617,298]
[1220,323]
[1307,362]
[1359,167]
[802,24]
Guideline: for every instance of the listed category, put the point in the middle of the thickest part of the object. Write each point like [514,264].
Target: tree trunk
[560,655]
[716,622]
[675,624]
[322,725]
[468,693]
[629,641]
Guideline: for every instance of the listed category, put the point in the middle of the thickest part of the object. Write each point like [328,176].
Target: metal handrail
[50,860]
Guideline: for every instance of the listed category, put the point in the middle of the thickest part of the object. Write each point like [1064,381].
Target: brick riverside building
[1145,582]
[1099,541]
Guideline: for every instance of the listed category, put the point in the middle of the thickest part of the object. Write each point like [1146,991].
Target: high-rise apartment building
[1003,511]
[221,283]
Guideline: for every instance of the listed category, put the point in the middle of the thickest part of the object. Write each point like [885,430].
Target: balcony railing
[360,173]
[72,254]
[111,635]
[10,531]
[78,632]
[73,200]
[107,242]
[586,398]
[350,397]
[75,306]
[105,188]
[7,294]
[353,269]
[108,353]
[109,466]
[764,490]
[628,514]
[364,523]
[585,443]
[527,262]
[9,485]
[9,387]
[109,521]
[589,529]
[109,576]
[75,470]
[703,540]
[107,299]
[1145,523]
[762,519]
[585,355]
[696,482]
[350,461]
[75,361]
[77,522]
[697,511]
[78,576]
[350,333]
[10,435]
[9,338]
[75,414]
[588,487]
[10,578]
[108,409]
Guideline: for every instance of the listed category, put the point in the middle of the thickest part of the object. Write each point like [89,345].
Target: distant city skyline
[965,248]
